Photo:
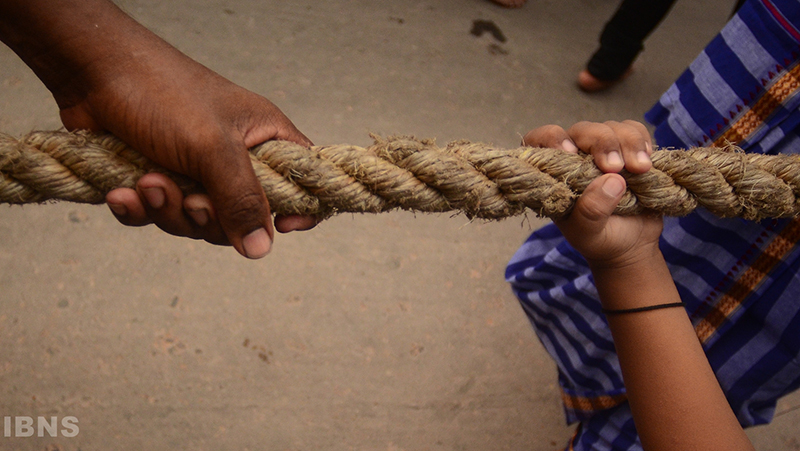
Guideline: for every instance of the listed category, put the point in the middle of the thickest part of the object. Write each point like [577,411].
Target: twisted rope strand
[410,174]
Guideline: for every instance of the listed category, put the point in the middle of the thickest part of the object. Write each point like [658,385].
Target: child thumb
[597,203]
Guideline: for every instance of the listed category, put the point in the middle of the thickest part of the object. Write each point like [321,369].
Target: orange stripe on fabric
[591,404]
[750,279]
[762,109]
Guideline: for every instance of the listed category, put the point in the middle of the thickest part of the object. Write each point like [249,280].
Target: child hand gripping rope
[674,395]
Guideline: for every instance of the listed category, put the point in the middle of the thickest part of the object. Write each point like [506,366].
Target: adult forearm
[674,395]
[73,45]
[109,73]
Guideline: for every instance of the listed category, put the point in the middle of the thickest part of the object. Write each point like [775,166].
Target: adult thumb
[239,202]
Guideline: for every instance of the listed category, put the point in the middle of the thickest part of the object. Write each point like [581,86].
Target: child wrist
[632,260]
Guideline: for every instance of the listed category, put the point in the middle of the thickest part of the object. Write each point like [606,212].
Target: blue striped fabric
[739,279]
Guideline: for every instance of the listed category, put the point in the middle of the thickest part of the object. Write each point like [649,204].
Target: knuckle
[631,137]
[244,209]
[551,130]
[529,139]
[636,125]
[606,142]
[633,130]
[547,135]
[593,210]
[584,124]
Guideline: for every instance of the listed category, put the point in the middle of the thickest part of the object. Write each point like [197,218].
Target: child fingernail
[614,159]
[257,243]
[155,197]
[569,146]
[613,187]
[200,216]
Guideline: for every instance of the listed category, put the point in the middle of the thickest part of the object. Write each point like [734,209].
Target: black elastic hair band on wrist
[642,309]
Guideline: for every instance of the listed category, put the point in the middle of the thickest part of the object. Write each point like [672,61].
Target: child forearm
[675,399]
[674,395]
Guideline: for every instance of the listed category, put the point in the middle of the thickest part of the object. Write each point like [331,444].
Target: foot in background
[589,83]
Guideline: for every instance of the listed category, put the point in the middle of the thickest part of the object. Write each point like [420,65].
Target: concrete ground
[388,332]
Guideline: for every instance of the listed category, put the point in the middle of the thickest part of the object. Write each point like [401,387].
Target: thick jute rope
[410,174]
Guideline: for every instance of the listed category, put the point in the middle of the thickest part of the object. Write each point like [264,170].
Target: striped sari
[739,279]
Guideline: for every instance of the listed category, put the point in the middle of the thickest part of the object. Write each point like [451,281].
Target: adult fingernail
[155,197]
[118,209]
[614,158]
[257,243]
[200,216]
[569,146]
[643,157]
[613,187]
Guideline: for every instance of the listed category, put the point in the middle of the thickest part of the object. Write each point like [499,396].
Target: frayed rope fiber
[411,174]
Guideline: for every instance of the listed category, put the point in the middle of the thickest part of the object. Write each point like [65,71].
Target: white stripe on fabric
[771,139]
[790,144]
[679,119]
[712,86]
[761,344]
[690,281]
[716,253]
[588,347]
[610,431]
[579,368]
[557,344]
[744,44]
[555,259]
[533,249]
[532,276]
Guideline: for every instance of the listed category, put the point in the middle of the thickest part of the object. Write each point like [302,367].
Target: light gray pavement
[389,332]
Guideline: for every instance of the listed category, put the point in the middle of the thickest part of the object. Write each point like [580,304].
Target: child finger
[601,142]
[648,140]
[550,136]
[633,146]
